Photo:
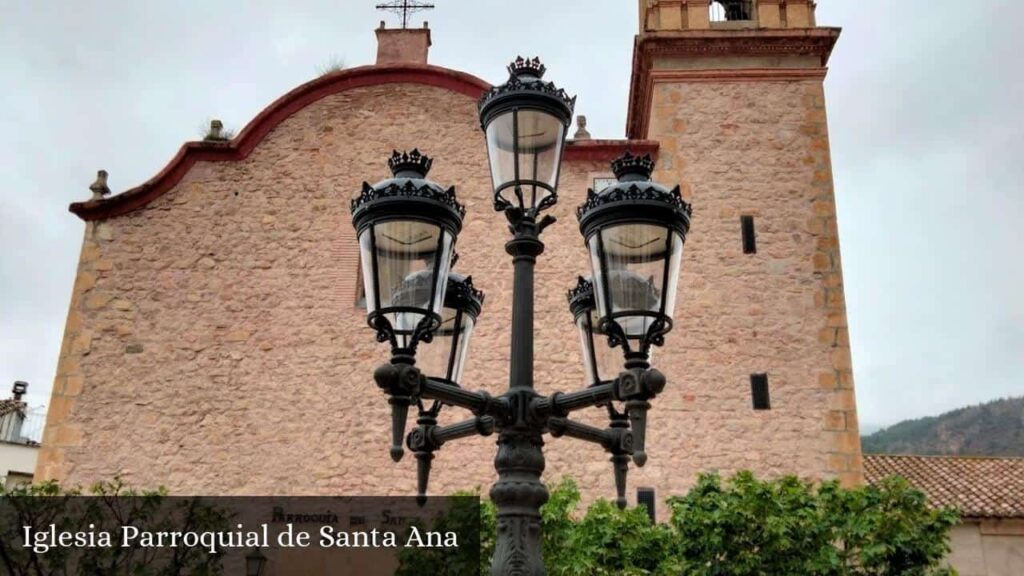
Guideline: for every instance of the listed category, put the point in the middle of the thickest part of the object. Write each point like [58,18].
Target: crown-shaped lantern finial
[471,291]
[630,165]
[526,67]
[584,289]
[474,291]
[409,164]
[581,298]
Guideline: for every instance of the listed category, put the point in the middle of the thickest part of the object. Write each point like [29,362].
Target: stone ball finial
[581,129]
[99,187]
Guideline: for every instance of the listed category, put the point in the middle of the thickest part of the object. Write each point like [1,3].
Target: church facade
[216,342]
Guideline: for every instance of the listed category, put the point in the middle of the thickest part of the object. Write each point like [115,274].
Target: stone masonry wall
[214,344]
[760,148]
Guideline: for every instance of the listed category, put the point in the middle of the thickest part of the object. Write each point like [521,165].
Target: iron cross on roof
[404,8]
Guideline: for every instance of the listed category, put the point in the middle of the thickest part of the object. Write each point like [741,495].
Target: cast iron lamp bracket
[634,231]
[521,409]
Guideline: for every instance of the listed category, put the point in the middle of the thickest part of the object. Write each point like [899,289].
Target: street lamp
[255,562]
[634,230]
[443,360]
[525,121]
[407,226]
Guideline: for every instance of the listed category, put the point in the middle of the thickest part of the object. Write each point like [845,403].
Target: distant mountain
[867,429]
[992,429]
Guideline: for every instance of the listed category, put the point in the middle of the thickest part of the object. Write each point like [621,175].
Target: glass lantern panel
[629,263]
[461,355]
[674,266]
[601,362]
[500,149]
[588,342]
[413,258]
[445,357]
[540,149]
[366,260]
[532,137]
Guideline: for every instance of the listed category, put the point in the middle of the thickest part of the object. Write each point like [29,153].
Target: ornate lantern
[525,121]
[407,226]
[255,562]
[634,230]
[445,357]
[600,362]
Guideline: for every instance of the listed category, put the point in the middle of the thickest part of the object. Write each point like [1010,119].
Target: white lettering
[43,541]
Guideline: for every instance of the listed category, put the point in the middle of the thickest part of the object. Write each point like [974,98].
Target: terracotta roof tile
[981,487]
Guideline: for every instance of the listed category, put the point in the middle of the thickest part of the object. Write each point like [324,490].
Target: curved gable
[243,144]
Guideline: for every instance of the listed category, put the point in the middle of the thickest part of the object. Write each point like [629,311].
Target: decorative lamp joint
[399,379]
[639,384]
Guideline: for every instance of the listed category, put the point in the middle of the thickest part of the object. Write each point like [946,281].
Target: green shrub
[743,527]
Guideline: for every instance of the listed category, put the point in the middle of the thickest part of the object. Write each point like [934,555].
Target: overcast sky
[924,101]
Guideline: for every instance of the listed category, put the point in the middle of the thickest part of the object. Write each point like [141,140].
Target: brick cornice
[606,150]
[247,140]
[717,43]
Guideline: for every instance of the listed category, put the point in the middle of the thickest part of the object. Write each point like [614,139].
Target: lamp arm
[479,403]
[478,426]
[581,431]
[617,440]
[560,404]
[636,383]
[428,437]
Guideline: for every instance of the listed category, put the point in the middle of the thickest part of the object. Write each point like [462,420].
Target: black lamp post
[407,228]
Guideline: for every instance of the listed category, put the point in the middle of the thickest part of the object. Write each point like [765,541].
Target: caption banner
[236,535]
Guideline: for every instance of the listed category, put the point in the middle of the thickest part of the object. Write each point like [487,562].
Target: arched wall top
[247,140]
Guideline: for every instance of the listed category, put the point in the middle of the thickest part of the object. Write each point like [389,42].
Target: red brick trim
[693,44]
[240,147]
[606,150]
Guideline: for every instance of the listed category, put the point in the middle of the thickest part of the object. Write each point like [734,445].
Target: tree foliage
[741,527]
[788,526]
[463,516]
[104,505]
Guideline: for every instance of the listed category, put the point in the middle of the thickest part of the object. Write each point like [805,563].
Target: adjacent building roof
[980,487]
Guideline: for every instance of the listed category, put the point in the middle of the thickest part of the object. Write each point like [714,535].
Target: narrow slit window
[645,498]
[759,391]
[749,238]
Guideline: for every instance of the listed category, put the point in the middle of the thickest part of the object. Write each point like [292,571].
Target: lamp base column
[518,494]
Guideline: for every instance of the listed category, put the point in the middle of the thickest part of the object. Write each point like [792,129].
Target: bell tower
[732,92]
